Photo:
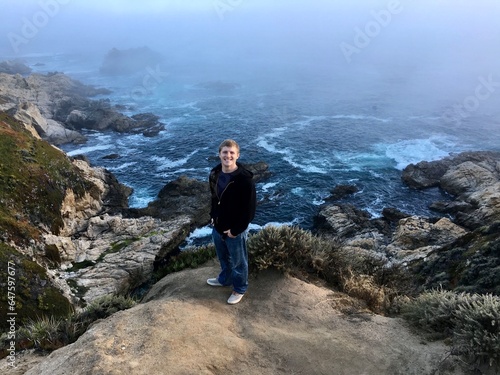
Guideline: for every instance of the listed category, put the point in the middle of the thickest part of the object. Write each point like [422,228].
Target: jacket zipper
[223,191]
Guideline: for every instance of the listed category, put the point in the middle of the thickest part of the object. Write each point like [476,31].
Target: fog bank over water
[326,92]
[431,50]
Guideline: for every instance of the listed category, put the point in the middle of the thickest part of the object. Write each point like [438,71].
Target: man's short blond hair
[229,143]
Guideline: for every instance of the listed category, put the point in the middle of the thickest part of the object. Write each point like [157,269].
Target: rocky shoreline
[59,108]
[446,251]
[105,247]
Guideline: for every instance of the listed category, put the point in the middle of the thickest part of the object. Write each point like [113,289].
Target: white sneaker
[214,282]
[234,298]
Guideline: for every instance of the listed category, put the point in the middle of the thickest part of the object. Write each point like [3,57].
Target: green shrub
[361,274]
[43,333]
[470,320]
[433,311]
[103,307]
[287,248]
[187,258]
[50,333]
[477,332]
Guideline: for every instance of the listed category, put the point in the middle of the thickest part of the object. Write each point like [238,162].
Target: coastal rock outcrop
[441,252]
[51,130]
[181,197]
[64,220]
[473,178]
[59,107]
[116,254]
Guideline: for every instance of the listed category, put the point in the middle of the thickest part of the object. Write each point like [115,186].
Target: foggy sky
[449,43]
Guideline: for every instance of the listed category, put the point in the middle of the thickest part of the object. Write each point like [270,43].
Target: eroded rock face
[122,252]
[104,252]
[427,174]
[415,237]
[445,252]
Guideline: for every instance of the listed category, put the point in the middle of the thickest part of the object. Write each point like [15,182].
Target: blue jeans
[233,258]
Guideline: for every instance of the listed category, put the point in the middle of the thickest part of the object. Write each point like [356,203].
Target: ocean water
[315,130]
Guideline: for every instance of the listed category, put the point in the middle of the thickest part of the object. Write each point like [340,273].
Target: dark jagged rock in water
[133,60]
[393,214]
[341,191]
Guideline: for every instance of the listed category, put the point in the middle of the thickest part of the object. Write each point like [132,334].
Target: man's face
[228,157]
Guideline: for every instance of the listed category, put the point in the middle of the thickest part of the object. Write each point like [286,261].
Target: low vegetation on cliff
[34,178]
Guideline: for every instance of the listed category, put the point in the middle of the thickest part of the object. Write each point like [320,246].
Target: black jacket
[235,208]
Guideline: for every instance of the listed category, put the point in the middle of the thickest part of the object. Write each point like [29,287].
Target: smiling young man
[232,209]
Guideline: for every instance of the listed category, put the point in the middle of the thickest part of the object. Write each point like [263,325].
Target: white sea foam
[361,161]
[361,117]
[89,149]
[416,150]
[270,147]
[309,168]
[165,163]
[318,202]
[198,233]
[309,119]
[298,191]
[122,166]
[256,227]
[266,187]
[140,199]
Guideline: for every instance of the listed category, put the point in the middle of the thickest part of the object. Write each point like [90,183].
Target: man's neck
[229,170]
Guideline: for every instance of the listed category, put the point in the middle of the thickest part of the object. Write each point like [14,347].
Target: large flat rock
[282,326]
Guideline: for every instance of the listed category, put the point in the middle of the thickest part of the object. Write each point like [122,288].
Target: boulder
[342,191]
[419,235]
[393,214]
[342,221]
[260,170]
[468,177]
[182,197]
